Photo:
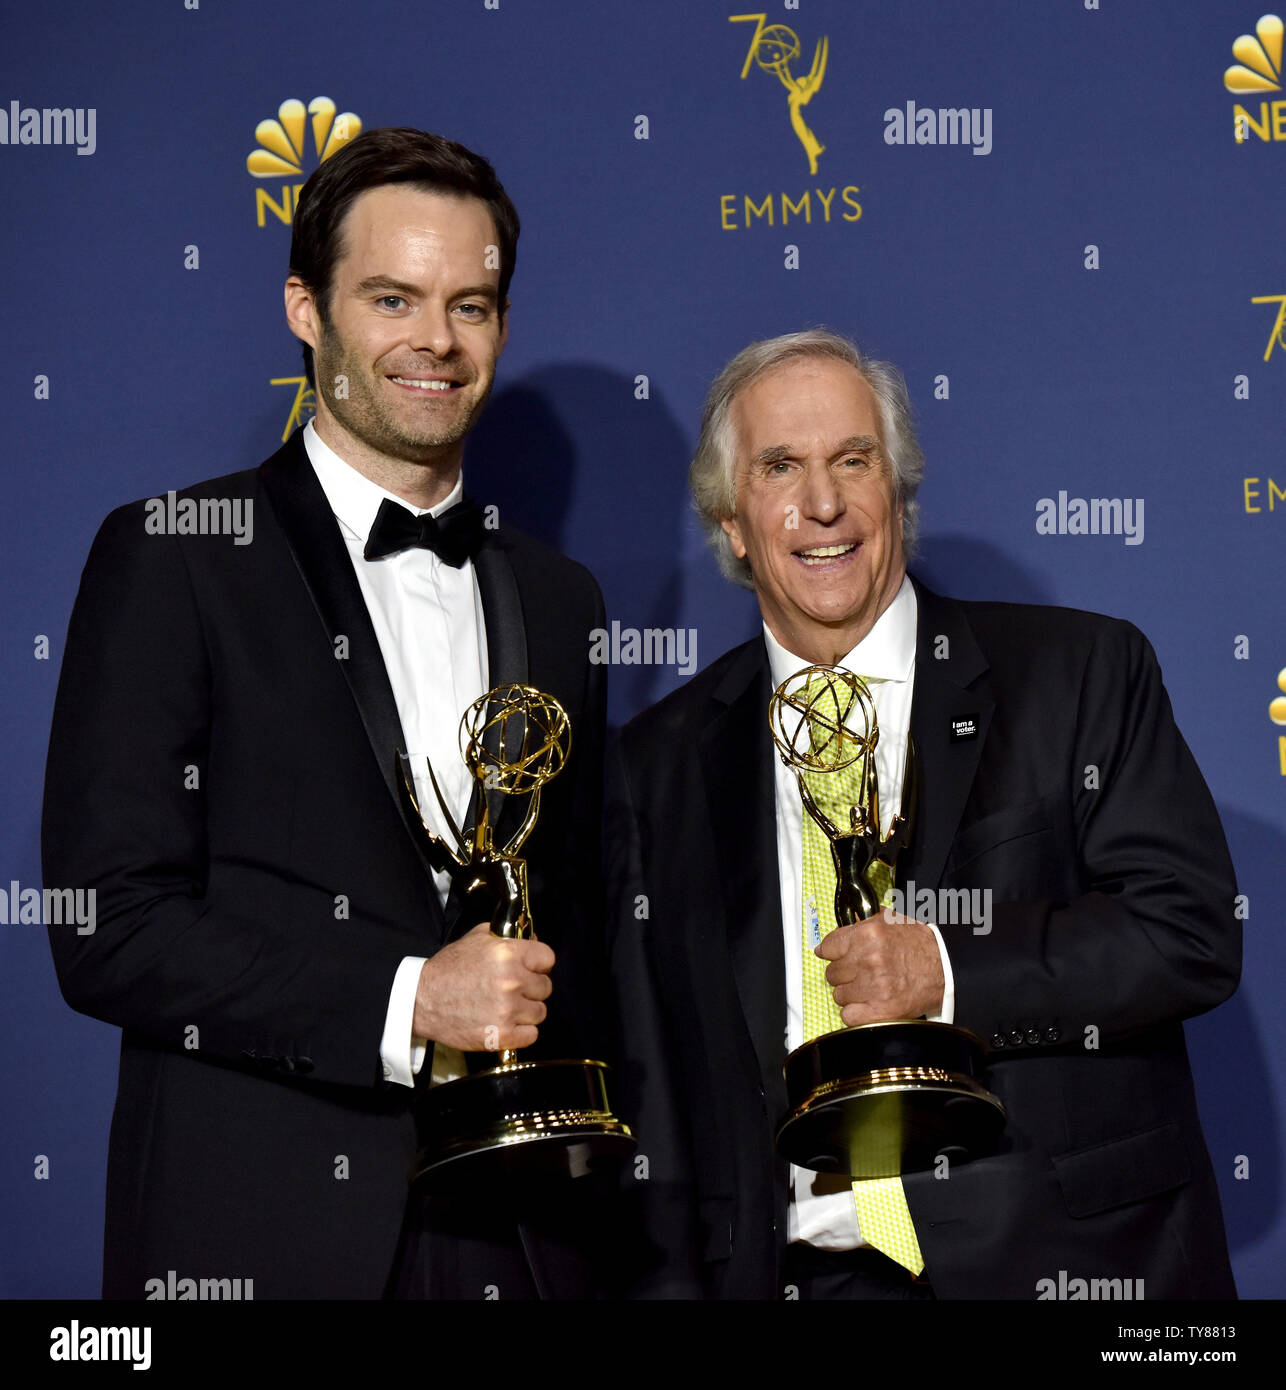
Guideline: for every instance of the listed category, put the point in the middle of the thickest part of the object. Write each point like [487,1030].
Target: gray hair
[712,478]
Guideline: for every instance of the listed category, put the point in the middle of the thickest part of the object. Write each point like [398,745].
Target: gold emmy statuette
[519,1118]
[882,1098]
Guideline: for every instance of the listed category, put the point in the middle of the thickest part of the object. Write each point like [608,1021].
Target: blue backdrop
[1070,288]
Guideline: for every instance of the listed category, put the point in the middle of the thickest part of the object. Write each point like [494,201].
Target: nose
[821,499]
[434,330]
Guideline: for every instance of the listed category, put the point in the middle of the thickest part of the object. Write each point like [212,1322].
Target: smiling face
[406,352]
[817,517]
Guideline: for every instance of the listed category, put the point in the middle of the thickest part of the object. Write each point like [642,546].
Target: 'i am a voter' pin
[966,727]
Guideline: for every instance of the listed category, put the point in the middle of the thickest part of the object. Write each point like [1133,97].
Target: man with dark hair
[289,969]
[395,155]
[1054,791]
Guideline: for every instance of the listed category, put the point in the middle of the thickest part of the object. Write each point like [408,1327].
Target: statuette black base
[524,1121]
[888,1098]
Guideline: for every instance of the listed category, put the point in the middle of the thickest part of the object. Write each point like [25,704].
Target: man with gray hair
[1109,900]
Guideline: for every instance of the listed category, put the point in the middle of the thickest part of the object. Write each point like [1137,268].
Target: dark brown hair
[392,154]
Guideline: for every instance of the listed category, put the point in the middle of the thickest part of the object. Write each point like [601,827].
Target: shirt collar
[886,653]
[353,497]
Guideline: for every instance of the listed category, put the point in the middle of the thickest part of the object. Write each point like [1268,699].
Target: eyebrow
[858,444]
[854,444]
[385,283]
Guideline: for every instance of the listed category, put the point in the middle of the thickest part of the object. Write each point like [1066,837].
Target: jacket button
[1033,1036]
[303,1065]
[1053,1034]
[286,1063]
[997,1040]
[1016,1037]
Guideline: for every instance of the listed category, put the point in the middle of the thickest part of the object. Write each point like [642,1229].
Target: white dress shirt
[428,620]
[821,1210]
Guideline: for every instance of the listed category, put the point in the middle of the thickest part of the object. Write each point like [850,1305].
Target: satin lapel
[322,559]
[736,755]
[950,684]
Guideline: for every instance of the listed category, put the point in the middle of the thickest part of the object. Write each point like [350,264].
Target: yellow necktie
[881,1202]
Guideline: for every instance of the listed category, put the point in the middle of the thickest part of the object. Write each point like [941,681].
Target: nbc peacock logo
[1277,713]
[282,141]
[1258,69]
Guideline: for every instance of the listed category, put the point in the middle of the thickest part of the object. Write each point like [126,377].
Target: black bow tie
[454,536]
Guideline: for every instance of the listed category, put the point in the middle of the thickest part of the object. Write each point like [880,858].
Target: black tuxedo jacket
[221,771]
[1079,806]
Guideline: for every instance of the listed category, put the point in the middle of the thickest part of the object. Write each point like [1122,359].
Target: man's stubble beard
[363,414]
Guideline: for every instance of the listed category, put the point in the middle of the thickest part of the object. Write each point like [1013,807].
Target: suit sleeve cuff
[947,1014]
[401,1054]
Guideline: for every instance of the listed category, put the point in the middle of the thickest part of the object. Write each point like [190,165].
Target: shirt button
[388,1072]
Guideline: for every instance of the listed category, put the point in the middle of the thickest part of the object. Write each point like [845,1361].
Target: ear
[729,524]
[302,317]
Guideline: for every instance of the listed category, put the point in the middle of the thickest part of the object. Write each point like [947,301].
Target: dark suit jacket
[1112,921]
[221,772]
